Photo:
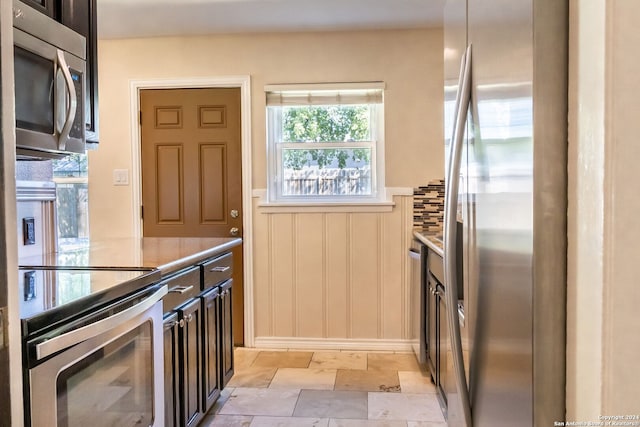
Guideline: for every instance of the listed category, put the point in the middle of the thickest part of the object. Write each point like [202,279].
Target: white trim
[386,205]
[324,86]
[244,83]
[332,344]
[398,191]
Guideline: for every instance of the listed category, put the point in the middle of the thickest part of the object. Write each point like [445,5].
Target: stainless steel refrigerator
[506,142]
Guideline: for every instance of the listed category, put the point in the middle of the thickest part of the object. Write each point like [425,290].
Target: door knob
[234,231]
[234,213]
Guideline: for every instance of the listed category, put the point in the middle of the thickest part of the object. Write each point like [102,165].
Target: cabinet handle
[181,323]
[189,318]
[180,289]
[170,325]
[220,269]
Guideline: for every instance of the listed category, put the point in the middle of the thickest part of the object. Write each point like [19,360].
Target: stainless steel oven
[103,366]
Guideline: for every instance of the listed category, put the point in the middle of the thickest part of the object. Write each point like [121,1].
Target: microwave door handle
[70,112]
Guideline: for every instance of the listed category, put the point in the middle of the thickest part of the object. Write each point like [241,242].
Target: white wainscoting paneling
[332,279]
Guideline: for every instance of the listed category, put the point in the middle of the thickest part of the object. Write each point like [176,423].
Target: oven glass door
[113,379]
[113,386]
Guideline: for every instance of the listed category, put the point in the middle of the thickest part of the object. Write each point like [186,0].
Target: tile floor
[326,389]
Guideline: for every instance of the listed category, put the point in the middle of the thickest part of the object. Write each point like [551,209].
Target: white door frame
[244,83]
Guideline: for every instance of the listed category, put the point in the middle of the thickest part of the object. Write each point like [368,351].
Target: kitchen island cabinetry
[193,272]
[191,337]
[226,333]
[211,346]
[201,359]
[171,370]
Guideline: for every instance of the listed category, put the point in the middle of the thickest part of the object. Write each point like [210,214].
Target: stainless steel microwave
[50,64]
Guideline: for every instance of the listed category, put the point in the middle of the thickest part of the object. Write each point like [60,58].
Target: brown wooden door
[191,170]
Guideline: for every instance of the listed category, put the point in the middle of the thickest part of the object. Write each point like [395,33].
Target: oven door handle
[53,345]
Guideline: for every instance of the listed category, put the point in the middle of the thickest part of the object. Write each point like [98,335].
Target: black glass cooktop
[48,296]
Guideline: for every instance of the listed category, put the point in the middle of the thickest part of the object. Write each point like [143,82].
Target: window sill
[316,206]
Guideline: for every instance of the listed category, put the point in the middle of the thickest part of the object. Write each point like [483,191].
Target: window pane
[326,123]
[70,175]
[326,171]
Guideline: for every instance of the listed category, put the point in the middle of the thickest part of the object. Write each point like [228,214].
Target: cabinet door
[226,333]
[171,369]
[443,345]
[48,7]
[431,326]
[80,16]
[211,390]
[191,362]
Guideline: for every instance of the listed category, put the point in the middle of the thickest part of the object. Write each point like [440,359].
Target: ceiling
[153,18]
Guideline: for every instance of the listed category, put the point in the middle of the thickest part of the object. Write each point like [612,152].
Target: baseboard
[332,344]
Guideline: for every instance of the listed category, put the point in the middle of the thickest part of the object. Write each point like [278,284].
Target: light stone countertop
[431,238]
[166,254]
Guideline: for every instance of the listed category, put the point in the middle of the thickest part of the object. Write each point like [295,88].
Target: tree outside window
[323,149]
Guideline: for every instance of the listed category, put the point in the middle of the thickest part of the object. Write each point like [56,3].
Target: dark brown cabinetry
[80,16]
[226,333]
[437,326]
[210,345]
[191,333]
[198,310]
[171,370]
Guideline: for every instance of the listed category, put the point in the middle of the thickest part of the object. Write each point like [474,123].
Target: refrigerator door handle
[451,198]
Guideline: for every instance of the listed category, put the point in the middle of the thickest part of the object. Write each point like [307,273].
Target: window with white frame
[325,142]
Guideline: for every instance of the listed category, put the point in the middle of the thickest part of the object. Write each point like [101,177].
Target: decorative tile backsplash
[428,206]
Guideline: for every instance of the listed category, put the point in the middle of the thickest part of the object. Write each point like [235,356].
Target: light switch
[121,177]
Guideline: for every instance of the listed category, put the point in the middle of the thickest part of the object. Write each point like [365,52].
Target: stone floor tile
[289,422]
[252,377]
[289,359]
[339,360]
[416,382]
[304,378]
[392,362]
[425,424]
[243,358]
[404,406]
[226,420]
[224,396]
[366,423]
[334,404]
[261,401]
[365,380]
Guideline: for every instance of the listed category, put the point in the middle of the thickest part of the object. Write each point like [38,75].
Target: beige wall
[409,62]
[604,233]
[621,339]
[321,279]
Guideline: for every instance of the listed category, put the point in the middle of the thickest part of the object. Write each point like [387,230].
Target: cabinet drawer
[217,270]
[435,266]
[182,287]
